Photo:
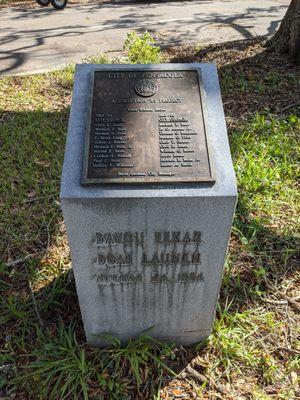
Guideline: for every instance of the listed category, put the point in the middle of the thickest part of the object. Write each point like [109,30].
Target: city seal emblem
[145,88]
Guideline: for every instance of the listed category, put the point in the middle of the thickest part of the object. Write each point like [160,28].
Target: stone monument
[148,195]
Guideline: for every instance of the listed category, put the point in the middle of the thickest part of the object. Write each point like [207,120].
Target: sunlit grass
[253,348]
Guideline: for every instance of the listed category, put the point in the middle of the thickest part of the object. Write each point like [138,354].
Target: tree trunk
[287,38]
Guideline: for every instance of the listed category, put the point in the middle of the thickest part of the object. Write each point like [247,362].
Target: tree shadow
[253,79]
[242,65]
[180,29]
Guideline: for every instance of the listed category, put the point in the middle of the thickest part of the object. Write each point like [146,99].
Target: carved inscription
[146,126]
[134,257]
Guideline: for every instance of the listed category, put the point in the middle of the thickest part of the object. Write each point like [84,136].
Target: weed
[64,369]
[101,59]
[142,49]
[253,350]
[61,368]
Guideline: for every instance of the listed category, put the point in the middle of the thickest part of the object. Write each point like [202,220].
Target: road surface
[40,39]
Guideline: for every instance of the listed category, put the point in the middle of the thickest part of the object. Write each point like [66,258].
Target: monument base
[148,256]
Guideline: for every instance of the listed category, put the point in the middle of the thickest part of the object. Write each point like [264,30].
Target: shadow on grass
[44,324]
[39,298]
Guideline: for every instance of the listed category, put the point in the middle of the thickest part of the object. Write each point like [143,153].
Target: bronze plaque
[146,126]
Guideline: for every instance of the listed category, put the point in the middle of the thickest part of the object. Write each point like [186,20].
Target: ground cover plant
[253,352]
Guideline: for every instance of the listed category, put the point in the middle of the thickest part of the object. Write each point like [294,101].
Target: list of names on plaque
[175,142]
[111,148]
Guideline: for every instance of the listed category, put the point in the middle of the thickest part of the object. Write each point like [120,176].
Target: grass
[253,352]
[66,369]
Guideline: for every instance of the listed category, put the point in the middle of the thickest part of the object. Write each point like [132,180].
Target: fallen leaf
[294,378]
[200,361]
[177,392]
[43,163]
[31,194]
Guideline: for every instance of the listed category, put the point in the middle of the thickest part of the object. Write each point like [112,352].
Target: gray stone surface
[178,300]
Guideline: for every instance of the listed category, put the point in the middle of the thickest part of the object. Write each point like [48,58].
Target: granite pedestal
[148,255]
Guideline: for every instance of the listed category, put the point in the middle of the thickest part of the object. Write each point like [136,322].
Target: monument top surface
[146,126]
[179,150]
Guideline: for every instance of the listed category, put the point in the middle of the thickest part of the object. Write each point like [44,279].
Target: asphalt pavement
[40,39]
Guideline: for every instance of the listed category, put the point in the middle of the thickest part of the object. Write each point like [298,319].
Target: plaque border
[85,181]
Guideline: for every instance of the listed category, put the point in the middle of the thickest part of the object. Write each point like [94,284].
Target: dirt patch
[253,79]
[252,352]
